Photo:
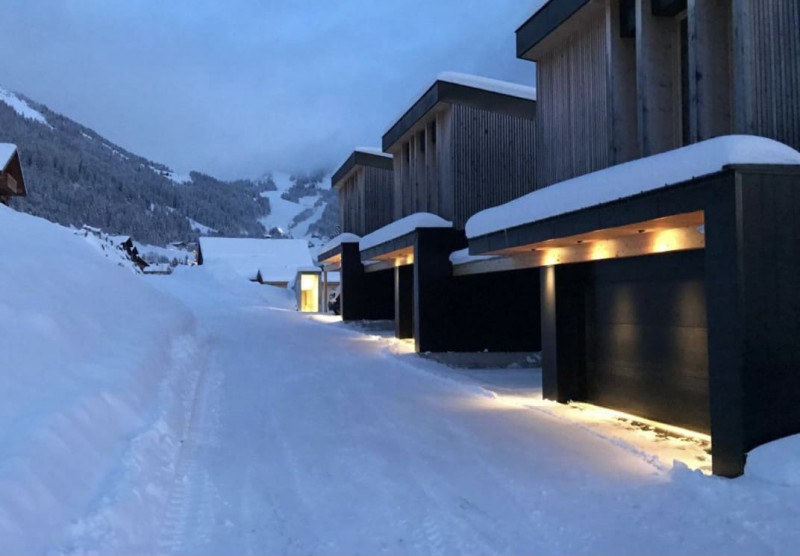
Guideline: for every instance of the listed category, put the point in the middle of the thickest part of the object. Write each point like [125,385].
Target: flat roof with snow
[471,90]
[361,156]
[630,179]
[278,260]
[374,242]
[334,247]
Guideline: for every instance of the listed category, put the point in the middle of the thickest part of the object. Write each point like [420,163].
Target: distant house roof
[361,156]
[471,90]
[277,260]
[11,167]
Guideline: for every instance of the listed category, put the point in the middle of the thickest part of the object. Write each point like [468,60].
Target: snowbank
[776,462]
[631,178]
[97,366]
[336,242]
[402,227]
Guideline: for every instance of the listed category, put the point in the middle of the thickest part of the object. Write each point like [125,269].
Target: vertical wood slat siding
[493,160]
[365,200]
[377,199]
[572,108]
[769,59]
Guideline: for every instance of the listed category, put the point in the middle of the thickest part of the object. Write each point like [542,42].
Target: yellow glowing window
[309,293]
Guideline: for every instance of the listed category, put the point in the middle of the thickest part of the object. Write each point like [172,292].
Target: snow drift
[96,377]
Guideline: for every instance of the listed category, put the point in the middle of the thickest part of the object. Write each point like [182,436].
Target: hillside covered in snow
[75,177]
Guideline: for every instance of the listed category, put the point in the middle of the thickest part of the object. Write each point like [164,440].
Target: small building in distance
[366,196]
[12,182]
[268,261]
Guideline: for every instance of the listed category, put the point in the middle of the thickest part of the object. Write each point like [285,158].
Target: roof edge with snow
[401,227]
[458,88]
[361,156]
[630,179]
[333,247]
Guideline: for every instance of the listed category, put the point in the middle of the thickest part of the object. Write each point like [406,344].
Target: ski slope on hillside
[283,212]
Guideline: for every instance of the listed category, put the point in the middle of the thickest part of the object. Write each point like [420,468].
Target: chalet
[465,145]
[666,246]
[273,262]
[364,183]
[12,182]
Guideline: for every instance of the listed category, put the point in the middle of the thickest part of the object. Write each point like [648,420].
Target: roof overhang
[443,93]
[658,221]
[398,251]
[542,24]
[357,159]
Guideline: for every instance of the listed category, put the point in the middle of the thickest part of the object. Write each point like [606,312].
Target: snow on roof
[463,257]
[7,151]
[402,227]
[487,84]
[21,107]
[337,241]
[372,150]
[276,259]
[631,178]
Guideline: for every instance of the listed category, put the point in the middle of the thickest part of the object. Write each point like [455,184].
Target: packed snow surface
[631,178]
[777,462]
[7,151]
[402,227]
[337,241]
[21,107]
[487,84]
[278,260]
[198,413]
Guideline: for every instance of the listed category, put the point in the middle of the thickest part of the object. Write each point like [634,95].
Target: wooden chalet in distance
[667,282]
[465,145]
[12,182]
[364,182]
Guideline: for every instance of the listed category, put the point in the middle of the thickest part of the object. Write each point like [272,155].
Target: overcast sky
[236,88]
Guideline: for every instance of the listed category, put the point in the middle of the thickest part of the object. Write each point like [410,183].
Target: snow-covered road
[309,437]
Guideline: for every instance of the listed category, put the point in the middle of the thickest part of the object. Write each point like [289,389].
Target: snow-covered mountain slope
[293,213]
[75,177]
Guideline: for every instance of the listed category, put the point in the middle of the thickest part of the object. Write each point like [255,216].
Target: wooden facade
[12,182]
[621,79]
[364,183]
[461,149]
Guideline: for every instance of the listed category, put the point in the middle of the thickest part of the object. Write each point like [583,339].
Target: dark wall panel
[497,312]
[647,337]
[770,218]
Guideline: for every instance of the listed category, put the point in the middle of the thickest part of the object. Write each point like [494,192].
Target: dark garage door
[647,338]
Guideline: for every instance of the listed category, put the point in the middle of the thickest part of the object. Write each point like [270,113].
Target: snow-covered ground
[199,413]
